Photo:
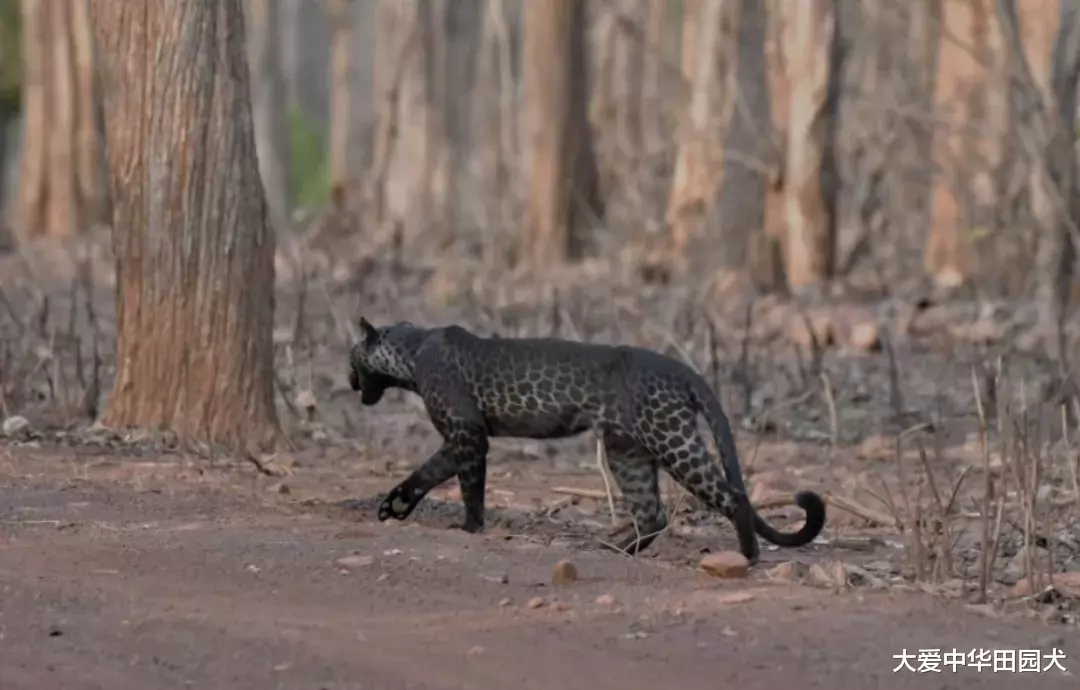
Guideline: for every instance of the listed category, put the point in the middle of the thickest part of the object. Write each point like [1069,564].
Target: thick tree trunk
[194,248]
[1047,69]
[698,164]
[560,172]
[810,175]
[62,188]
[270,108]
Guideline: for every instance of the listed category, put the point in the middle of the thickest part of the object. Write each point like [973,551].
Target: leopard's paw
[396,505]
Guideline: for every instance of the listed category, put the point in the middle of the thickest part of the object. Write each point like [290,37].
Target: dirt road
[117,587]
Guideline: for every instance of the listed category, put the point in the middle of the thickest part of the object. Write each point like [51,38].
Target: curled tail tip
[814,507]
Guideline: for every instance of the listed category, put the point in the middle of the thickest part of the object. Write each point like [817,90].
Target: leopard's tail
[811,503]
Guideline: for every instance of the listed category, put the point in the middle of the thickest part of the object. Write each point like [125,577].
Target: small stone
[505,601]
[726,564]
[355,561]
[737,598]
[475,650]
[565,572]
[560,606]
[279,488]
[534,603]
[15,425]
[605,600]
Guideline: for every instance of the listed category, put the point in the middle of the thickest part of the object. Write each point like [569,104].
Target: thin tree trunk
[652,112]
[810,175]
[965,23]
[748,149]
[618,99]
[560,171]
[1044,94]
[494,141]
[61,181]
[408,137]
[341,47]
[698,162]
[270,109]
[194,248]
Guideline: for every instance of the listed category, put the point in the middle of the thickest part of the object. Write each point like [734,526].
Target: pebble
[726,564]
[564,573]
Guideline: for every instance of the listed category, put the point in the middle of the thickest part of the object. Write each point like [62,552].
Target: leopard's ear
[368,333]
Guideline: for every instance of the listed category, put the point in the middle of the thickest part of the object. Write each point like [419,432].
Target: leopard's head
[383,358]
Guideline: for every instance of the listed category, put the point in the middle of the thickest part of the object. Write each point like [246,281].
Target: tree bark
[61,183]
[494,141]
[810,176]
[559,161]
[1044,94]
[965,26]
[270,108]
[618,102]
[194,249]
[341,93]
[749,154]
[409,135]
[698,165]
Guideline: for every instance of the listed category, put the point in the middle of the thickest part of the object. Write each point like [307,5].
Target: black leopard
[644,406]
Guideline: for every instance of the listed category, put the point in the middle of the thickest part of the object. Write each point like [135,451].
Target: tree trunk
[560,172]
[618,94]
[652,111]
[748,150]
[460,22]
[965,25]
[698,162]
[766,252]
[1045,92]
[194,248]
[341,47]
[62,188]
[494,142]
[810,176]
[409,136]
[270,108]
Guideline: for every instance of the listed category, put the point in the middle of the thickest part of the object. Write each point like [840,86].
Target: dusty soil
[168,574]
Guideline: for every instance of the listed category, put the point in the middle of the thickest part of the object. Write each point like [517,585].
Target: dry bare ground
[138,560]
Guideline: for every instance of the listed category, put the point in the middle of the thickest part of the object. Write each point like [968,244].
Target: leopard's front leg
[458,457]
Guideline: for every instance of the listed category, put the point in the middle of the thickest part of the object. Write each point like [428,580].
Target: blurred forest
[817,149]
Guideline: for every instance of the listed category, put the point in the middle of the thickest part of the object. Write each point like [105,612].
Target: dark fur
[643,404]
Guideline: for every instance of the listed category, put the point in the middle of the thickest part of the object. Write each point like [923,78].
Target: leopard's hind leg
[683,454]
[635,472]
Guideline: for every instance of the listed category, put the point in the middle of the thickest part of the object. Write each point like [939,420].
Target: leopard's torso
[642,404]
